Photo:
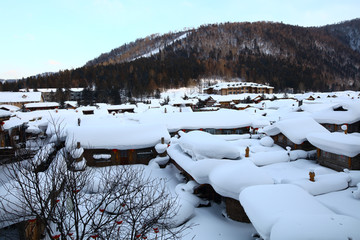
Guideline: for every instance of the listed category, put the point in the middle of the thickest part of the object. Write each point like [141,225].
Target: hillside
[288,56]
[285,56]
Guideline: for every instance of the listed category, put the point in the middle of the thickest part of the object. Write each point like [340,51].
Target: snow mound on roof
[320,227]
[201,145]
[267,141]
[336,142]
[265,158]
[354,177]
[266,204]
[229,179]
[323,183]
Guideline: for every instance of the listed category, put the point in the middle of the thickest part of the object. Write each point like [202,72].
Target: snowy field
[271,182]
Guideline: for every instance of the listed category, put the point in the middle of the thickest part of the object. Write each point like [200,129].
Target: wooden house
[340,114]
[41,106]
[292,132]
[337,150]
[121,108]
[20,98]
[118,144]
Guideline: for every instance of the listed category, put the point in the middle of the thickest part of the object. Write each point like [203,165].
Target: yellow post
[247,151]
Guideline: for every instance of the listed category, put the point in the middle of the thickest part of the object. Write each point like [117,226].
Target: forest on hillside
[284,56]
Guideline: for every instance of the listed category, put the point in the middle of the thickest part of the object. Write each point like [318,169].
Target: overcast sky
[50,35]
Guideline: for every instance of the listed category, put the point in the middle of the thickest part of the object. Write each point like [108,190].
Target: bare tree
[118,202]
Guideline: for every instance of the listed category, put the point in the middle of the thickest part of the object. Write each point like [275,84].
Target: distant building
[20,98]
[227,88]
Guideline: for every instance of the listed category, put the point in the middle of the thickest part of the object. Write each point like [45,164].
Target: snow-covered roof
[336,142]
[295,129]
[265,205]
[223,85]
[121,136]
[329,115]
[10,108]
[4,113]
[122,106]
[42,104]
[225,119]
[13,97]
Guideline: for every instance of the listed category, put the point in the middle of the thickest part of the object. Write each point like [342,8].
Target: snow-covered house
[292,132]
[337,150]
[227,88]
[20,98]
[215,165]
[117,144]
[121,108]
[333,117]
[286,211]
[41,106]
[223,121]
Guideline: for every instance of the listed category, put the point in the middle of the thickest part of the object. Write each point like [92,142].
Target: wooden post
[247,151]
[349,163]
[162,140]
[78,145]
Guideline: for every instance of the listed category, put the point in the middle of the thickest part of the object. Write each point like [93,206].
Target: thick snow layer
[354,177]
[224,119]
[202,145]
[323,184]
[230,179]
[294,170]
[319,227]
[341,202]
[356,193]
[13,97]
[77,152]
[351,115]
[266,158]
[338,143]
[296,129]
[160,148]
[42,104]
[267,204]
[122,136]
[267,141]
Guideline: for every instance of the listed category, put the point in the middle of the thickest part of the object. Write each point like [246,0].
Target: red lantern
[119,222]
[32,220]
[123,204]
[137,236]
[156,230]
[144,237]
[57,200]
[101,209]
[70,234]
[115,150]
[94,236]
[76,191]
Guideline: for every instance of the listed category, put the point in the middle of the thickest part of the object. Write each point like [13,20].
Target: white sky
[50,35]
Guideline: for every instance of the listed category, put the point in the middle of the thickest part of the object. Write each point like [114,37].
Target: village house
[117,144]
[228,88]
[340,114]
[41,106]
[292,132]
[121,108]
[20,98]
[337,150]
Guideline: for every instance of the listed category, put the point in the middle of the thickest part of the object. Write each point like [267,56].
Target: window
[123,153]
